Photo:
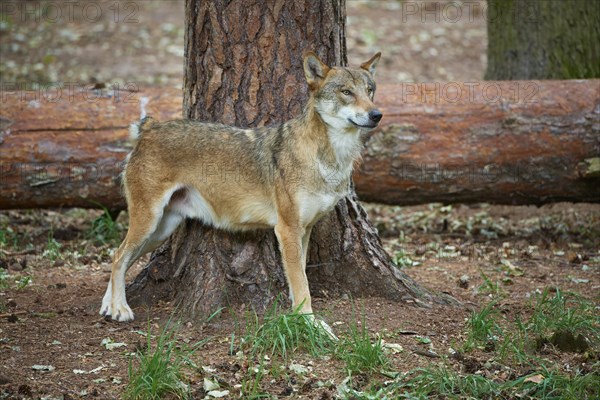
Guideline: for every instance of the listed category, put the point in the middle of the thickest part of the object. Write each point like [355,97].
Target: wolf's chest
[312,206]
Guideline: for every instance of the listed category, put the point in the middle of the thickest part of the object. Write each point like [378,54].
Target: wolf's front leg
[292,254]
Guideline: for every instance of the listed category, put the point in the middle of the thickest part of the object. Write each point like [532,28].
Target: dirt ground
[55,264]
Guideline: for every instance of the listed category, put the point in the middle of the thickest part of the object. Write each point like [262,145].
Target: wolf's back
[138,128]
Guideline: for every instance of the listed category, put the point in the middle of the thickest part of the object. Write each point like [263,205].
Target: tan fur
[284,177]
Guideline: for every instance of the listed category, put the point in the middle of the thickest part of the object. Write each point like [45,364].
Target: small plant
[159,368]
[403,260]
[490,287]
[4,277]
[483,328]
[52,250]
[8,238]
[23,282]
[251,388]
[278,335]
[359,352]
[105,229]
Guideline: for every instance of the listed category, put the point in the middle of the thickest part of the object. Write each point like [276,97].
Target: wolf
[283,177]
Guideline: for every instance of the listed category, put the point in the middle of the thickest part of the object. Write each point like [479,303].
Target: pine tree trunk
[244,67]
[543,39]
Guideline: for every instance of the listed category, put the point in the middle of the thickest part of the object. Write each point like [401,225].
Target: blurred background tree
[543,39]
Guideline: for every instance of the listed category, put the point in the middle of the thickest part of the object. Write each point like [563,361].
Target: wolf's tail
[138,128]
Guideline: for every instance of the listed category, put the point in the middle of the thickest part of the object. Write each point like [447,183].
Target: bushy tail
[138,128]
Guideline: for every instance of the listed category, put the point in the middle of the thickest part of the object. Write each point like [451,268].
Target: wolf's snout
[375,115]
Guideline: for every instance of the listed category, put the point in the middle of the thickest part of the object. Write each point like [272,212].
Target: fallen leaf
[218,394]
[535,378]
[510,268]
[210,385]
[298,368]
[578,280]
[92,371]
[394,348]
[423,339]
[208,369]
[110,345]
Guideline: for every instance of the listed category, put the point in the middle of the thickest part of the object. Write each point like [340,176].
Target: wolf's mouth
[363,126]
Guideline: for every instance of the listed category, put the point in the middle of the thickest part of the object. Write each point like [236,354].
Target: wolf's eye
[370,91]
[346,92]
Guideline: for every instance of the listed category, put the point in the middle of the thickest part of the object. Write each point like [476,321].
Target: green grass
[403,260]
[4,279]
[559,313]
[23,282]
[281,334]
[52,250]
[482,328]
[359,352]
[441,382]
[8,238]
[490,287]
[555,386]
[157,370]
[105,229]
[278,336]
[564,312]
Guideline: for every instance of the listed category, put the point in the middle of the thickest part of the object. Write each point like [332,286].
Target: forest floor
[528,277]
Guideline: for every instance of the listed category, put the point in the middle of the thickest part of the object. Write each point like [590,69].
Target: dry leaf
[535,378]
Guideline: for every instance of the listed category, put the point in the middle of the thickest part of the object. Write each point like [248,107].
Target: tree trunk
[547,132]
[243,67]
[543,39]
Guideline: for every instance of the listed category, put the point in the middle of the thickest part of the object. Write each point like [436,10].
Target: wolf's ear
[314,69]
[371,64]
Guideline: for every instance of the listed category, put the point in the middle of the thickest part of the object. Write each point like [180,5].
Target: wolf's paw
[106,302]
[119,312]
[106,307]
[122,312]
[105,310]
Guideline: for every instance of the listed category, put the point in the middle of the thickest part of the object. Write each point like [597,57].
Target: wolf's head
[343,96]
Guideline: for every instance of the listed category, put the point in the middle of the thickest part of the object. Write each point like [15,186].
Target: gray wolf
[284,177]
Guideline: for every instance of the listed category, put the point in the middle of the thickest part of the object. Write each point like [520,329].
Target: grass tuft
[105,229]
[564,312]
[483,330]
[359,352]
[282,334]
[159,369]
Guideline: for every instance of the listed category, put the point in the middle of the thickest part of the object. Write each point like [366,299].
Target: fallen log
[507,142]
[67,150]
[510,142]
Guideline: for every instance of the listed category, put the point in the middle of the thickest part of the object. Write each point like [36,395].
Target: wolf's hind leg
[147,231]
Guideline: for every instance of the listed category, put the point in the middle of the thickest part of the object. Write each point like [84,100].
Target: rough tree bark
[243,67]
[543,39]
